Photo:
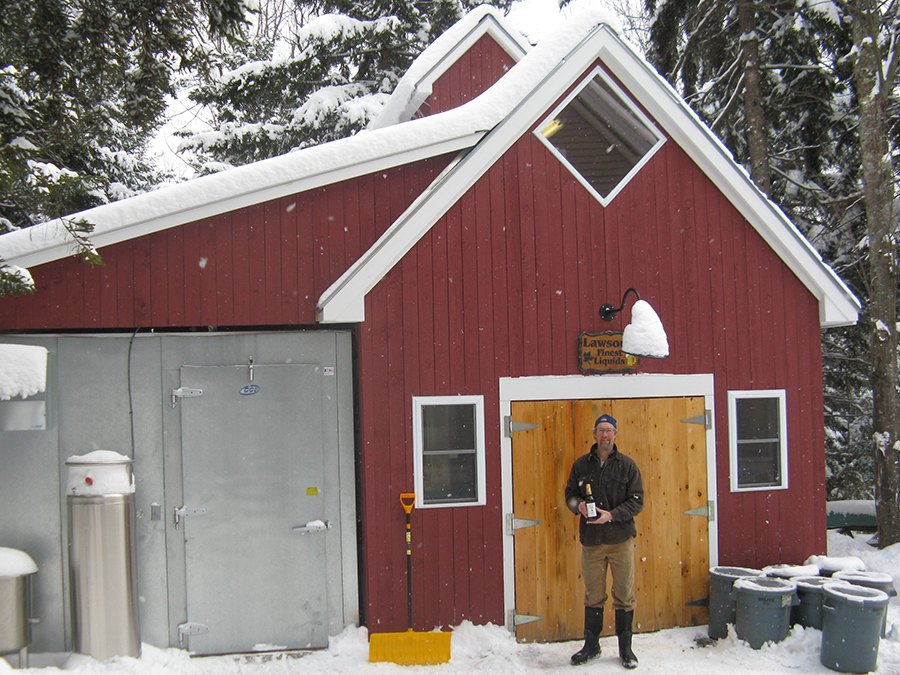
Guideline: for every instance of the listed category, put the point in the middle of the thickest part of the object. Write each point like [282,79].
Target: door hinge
[187,511]
[184,392]
[190,629]
[513,523]
[513,620]
[705,419]
[709,511]
[510,427]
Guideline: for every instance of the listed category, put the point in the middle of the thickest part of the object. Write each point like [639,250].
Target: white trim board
[591,387]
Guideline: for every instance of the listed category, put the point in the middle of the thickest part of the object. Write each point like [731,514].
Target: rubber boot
[593,626]
[624,623]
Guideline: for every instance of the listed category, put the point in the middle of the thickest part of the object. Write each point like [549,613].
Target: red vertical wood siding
[538,257]
[263,265]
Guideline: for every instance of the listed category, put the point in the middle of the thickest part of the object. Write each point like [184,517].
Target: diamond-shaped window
[600,136]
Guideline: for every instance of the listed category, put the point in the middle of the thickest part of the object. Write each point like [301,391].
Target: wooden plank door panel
[672,559]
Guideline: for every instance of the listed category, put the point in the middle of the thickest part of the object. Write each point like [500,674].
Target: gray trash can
[808,611]
[16,571]
[879,580]
[763,609]
[102,558]
[852,618]
[721,604]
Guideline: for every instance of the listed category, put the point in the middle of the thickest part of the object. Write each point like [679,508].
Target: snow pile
[23,370]
[791,571]
[828,565]
[101,472]
[15,563]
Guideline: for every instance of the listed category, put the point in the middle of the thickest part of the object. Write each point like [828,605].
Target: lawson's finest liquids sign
[602,353]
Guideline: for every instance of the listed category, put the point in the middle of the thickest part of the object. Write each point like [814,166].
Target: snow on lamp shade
[645,335]
[23,370]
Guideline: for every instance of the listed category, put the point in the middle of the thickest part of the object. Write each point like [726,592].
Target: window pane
[757,419]
[450,477]
[448,427]
[600,136]
[759,442]
[759,464]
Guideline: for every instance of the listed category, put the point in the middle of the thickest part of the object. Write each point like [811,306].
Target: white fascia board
[344,300]
[837,304]
[127,230]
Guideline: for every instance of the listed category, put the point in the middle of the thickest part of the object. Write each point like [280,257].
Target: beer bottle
[589,501]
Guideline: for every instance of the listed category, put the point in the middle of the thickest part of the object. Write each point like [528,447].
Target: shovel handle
[408,500]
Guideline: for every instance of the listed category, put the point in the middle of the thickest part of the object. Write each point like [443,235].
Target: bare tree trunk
[873,90]
[757,144]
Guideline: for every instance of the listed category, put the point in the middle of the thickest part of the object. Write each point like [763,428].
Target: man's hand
[602,518]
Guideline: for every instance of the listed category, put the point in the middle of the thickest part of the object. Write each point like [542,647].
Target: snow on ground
[490,650]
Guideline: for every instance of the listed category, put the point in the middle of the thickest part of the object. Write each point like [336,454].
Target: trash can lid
[736,572]
[765,585]
[863,577]
[817,582]
[855,594]
[15,563]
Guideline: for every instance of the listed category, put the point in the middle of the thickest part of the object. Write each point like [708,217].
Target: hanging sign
[602,353]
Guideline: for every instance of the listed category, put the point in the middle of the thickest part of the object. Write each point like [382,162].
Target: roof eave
[115,230]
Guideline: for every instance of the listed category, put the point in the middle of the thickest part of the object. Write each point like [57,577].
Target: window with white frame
[757,429]
[448,444]
[600,136]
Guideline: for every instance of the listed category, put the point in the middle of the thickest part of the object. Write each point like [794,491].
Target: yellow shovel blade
[410,648]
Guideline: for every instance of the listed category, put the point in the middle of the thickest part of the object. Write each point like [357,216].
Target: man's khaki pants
[595,561]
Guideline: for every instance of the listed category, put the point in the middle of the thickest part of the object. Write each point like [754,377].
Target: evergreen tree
[83,85]
[323,81]
[809,162]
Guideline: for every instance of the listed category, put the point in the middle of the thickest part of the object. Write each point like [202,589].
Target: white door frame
[593,387]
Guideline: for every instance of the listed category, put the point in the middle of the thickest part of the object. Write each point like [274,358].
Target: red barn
[285,348]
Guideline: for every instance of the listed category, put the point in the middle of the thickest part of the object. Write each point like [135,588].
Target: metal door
[667,439]
[257,450]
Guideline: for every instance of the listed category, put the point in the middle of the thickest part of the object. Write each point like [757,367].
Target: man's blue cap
[606,418]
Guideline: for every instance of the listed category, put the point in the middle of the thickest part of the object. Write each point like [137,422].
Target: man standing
[607,541]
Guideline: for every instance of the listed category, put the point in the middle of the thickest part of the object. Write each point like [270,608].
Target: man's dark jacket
[617,487]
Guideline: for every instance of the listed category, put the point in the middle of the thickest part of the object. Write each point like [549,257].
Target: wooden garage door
[672,559]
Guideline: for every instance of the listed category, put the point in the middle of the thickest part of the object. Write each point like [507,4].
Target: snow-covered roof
[489,124]
[540,78]
[416,84]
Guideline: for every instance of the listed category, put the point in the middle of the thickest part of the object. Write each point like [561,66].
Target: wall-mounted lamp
[645,335]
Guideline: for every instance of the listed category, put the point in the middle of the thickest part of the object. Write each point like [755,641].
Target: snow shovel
[410,648]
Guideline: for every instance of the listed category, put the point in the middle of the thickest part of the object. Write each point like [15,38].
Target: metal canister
[102,556]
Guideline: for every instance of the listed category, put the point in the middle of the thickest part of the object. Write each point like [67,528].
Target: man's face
[605,433]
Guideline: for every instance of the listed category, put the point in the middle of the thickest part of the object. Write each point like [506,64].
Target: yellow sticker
[312,492]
